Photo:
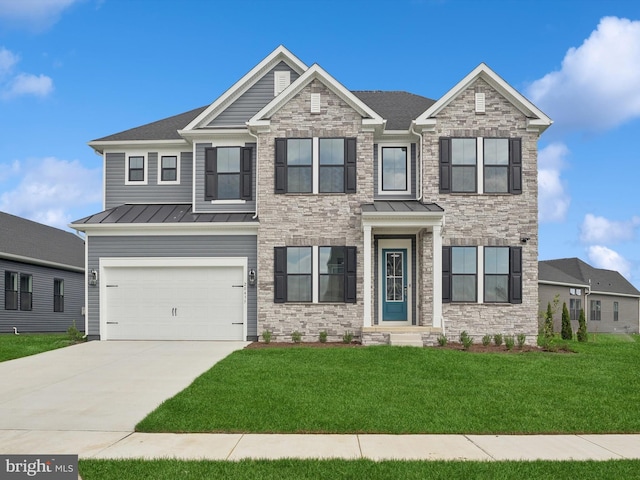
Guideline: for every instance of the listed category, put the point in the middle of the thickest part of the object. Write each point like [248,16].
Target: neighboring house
[42,275]
[610,303]
[293,204]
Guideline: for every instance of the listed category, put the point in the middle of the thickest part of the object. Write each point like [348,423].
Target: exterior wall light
[252,276]
[93,278]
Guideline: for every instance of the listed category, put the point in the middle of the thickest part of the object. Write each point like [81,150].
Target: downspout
[412,131]
[256,137]
[586,302]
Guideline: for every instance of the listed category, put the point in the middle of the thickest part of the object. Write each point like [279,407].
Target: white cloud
[34,14]
[7,61]
[553,200]
[603,257]
[598,85]
[51,191]
[602,230]
[28,84]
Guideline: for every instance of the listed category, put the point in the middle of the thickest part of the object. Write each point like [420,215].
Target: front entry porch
[402,336]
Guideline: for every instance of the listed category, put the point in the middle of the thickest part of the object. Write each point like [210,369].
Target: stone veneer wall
[488,219]
[308,219]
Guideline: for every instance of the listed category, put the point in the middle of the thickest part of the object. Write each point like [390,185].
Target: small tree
[582,327]
[566,332]
[548,323]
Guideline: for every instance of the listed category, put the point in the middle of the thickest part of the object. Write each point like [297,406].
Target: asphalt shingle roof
[32,240]
[574,269]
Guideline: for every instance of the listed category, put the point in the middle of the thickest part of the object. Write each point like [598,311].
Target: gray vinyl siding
[42,318]
[414,175]
[171,246]
[376,275]
[202,205]
[117,193]
[251,101]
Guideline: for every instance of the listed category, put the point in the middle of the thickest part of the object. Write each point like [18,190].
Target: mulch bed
[303,344]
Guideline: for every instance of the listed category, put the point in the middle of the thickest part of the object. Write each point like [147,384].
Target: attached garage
[173,298]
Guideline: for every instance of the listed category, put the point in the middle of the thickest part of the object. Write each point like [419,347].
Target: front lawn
[16,346]
[412,390]
[312,469]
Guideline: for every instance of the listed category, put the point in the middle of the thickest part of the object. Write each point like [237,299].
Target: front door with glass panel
[394,285]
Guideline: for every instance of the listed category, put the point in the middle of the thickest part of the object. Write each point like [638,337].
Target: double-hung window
[395,169]
[26,292]
[482,274]
[169,169]
[616,310]
[58,295]
[136,170]
[315,274]
[481,165]
[575,305]
[315,165]
[596,310]
[228,173]
[10,290]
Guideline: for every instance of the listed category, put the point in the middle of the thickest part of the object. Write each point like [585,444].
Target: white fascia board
[316,72]
[246,82]
[562,284]
[210,134]
[168,229]
[122,145]
[119,262]
[613,294]
[498,83]
[43,263]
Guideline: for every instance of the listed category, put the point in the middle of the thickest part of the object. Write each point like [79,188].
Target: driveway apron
[100,386]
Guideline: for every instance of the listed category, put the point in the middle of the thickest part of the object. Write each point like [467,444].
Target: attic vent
[480,103]
[281,80]
[315,103]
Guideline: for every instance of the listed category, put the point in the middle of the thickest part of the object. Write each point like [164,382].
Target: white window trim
[228,202]
[394,192]
[178,162]
[226,144]
[145,157]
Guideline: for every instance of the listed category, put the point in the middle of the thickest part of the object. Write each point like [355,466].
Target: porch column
[367,276]
[437,275]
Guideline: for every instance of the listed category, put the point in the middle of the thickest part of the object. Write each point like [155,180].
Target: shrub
[466,340]
[323,336]
[347,337]
[266,336]
[75,335]
[548,323]
[442,340]
[509,342]
[521,339]
[463,336]
[497,339]
[296,337]
[486,340]
[566,332]
[582,328]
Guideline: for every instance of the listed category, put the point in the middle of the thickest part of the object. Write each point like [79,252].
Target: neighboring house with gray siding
[41,277]
[610,302]
[294,204]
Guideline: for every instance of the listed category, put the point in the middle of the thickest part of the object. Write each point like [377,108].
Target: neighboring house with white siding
[42,277]
[291,203]
[610,302]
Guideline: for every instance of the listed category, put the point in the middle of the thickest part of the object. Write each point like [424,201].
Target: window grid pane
[463,179]
[496,179]
[228,186]
[496,151]
[299,151]
[463,151]
[331,151]
[496,260]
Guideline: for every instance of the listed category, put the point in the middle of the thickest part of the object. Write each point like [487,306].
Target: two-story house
[294,204]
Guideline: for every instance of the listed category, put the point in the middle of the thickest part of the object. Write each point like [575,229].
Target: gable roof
[599,279]
[316,72]
[26,241]
[398,108]
[536,118]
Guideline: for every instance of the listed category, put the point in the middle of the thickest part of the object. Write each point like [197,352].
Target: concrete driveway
[100,386]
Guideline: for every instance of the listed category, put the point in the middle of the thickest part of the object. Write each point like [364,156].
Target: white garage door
[174,303]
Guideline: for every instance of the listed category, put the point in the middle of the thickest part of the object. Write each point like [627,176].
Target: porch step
[406,339]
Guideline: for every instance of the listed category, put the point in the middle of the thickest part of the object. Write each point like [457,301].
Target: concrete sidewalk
[89,444]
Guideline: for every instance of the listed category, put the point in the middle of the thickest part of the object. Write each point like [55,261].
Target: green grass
[409,390]
[354,469]
[17,346]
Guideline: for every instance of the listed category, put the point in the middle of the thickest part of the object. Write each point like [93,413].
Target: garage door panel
[175,303]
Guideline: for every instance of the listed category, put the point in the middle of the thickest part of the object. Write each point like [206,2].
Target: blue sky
[75,70]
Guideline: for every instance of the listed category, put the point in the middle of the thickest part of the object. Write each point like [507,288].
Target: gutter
[257,169]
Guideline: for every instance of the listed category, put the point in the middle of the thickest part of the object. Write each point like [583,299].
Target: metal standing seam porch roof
[401,206]
[154,213]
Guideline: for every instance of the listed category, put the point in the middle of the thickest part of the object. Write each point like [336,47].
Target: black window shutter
[515,275]
[246,162]
[210,173]
[446,274]
[281,165]
[445,165]
[350,179]
[280,275]
[350,273]
[515,164]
